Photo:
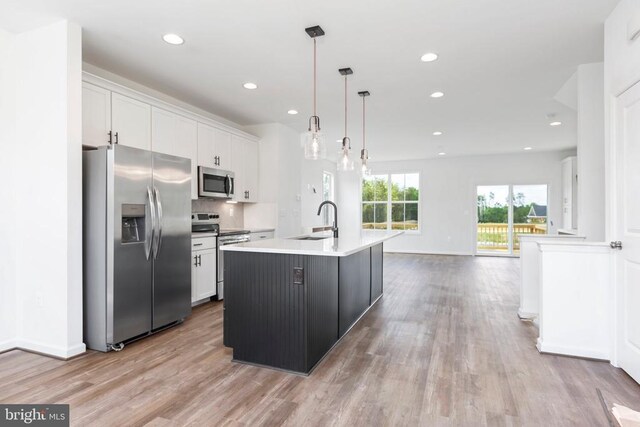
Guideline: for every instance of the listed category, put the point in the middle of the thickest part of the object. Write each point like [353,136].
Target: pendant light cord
[345,110]
[363,118]
[314,77]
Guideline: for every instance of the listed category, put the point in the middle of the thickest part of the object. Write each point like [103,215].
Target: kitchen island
[289,301]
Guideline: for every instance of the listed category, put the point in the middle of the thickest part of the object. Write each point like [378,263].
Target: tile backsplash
[231,214]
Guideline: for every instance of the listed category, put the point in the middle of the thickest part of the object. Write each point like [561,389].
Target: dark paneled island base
[286,311]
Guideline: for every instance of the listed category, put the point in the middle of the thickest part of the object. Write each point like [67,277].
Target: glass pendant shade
[345,161]
[364,153]
[314,145]
[364,162]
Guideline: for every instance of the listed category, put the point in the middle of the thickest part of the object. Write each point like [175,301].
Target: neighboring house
[537,214]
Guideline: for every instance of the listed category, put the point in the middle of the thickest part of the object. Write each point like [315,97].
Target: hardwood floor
[444,346]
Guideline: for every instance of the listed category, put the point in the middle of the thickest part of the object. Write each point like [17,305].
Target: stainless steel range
[205,222]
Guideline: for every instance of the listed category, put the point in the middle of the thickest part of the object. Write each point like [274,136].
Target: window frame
[389,202]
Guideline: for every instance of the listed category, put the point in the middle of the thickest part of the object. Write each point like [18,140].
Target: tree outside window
[391,202]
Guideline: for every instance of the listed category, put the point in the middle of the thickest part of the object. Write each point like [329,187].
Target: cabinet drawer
[262,236]
[201,243]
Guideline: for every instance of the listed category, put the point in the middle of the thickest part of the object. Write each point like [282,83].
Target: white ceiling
[501,62]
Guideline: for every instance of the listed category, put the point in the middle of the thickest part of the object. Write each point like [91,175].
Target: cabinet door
[131,119]
[194,277]
[223,149]
[206,146]
[238,160]
[96,115]
[177,136]
[206,280]
[187,143]
[163,131]
[251,170]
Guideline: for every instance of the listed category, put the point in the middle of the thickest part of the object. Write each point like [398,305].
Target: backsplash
[231,214]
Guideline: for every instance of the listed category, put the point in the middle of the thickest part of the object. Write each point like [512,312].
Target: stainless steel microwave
[215,183]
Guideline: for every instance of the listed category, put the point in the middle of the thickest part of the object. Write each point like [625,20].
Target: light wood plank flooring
[442,347]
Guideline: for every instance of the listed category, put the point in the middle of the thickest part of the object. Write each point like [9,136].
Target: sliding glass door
[493,219]
[504,212]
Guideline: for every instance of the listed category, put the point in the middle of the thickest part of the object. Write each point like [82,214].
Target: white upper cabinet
[238,167]
[223,149]
[214,147]
[130,122]
[96,115]
[178,136]
[251,171]
[206,146]
[140,121]
[244,156]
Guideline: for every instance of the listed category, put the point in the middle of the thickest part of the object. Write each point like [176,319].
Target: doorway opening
[504,212]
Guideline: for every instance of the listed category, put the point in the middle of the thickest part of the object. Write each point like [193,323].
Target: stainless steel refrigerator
[137,244]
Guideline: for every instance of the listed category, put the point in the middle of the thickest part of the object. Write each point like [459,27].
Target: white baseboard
[7,345]
[526,315]
[49,350]
[403,251]
[588,353]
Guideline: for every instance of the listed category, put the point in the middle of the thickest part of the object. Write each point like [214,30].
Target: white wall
[312,172]
[7,166]
[448,195]
[47,180]
[591,177]
[348,201]
[279,181]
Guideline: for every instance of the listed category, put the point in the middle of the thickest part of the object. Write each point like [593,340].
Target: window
[327,194]
[390,202]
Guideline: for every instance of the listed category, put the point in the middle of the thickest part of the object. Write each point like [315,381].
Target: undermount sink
[311,238]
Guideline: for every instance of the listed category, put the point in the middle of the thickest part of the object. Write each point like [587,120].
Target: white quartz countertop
[346,244]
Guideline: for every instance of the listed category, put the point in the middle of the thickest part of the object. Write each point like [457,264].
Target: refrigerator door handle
[159,221]
[149,229]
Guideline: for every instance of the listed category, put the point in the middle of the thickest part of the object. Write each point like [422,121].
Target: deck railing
[495,236]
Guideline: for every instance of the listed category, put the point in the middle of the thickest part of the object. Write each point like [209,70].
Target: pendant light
[364,153]
[313,141]
[345,161]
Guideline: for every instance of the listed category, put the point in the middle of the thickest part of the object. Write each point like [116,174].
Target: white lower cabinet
[203,268]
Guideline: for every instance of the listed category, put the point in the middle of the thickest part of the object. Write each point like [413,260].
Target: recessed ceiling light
[173,39]
[437,133]
[250,86]
[338,140]
[528,148]
[292,112]
[429,57]
[555,123]
[437,94]
[442,153]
